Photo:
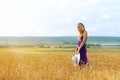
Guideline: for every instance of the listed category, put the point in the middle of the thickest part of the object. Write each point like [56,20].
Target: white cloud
[39,4]
[110,33]
[106,8]
[91,30]
[50,17]
[83,18]
[105,16]
[90,2]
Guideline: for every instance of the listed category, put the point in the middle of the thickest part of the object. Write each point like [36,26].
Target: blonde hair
[82,25]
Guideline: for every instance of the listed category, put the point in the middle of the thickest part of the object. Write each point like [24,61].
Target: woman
[81,49]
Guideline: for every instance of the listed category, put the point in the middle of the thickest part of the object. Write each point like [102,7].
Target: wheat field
[56,64]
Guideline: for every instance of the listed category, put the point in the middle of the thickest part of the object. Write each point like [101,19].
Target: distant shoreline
[59,42]
[62,45]
[51,36]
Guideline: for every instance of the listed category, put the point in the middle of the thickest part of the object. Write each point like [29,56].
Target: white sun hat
[76,59]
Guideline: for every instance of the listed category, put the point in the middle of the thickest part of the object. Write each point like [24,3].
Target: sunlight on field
[56,64]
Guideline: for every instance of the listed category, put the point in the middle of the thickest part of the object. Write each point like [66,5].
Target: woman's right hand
[77,52]
[76,49]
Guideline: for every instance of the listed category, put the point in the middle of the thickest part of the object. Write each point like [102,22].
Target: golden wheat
[56,64]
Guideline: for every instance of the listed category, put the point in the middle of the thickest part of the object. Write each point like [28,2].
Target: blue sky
[59,17]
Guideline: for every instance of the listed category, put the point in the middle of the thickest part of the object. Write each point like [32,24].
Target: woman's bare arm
[84,40]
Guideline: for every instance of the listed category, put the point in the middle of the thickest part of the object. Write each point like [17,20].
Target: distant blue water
[103,40]
[53,40]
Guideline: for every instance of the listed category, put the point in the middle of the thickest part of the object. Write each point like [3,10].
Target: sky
[59,17]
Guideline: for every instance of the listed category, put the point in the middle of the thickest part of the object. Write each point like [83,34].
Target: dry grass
[55,64]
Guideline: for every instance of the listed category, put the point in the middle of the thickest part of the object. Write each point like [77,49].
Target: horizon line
[59,36]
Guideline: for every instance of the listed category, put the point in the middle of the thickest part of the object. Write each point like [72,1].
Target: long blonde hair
[82,25]
[81,33]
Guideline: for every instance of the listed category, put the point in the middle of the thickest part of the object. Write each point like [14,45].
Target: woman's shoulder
[85,33]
